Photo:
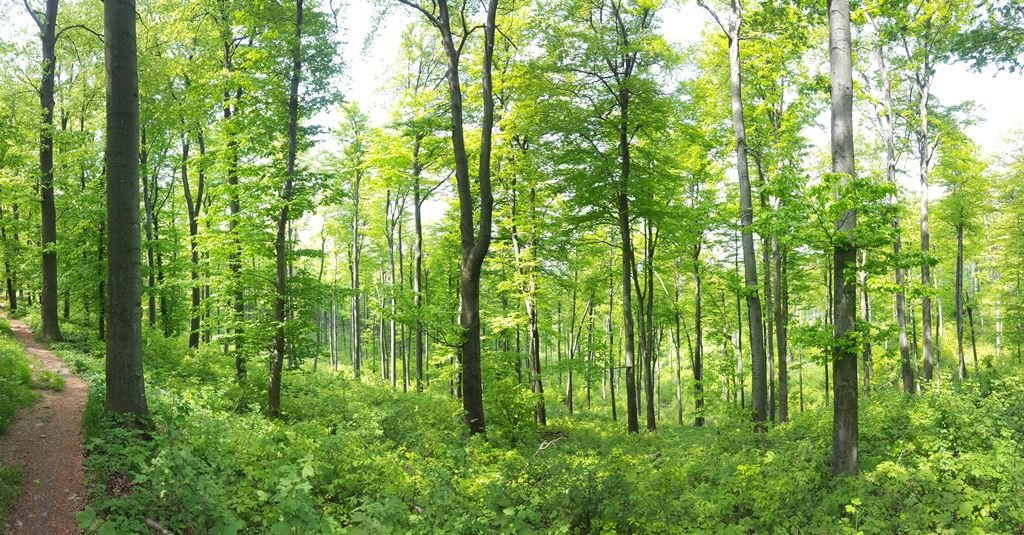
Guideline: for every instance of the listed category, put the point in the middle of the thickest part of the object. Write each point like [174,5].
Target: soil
[45,444]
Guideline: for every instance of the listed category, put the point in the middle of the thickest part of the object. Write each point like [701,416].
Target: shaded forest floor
[44,445]
[351,455]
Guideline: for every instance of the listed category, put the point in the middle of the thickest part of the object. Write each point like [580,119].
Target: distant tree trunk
[959,298]
[632,416]
[193,205]
[924,158]
[759,360]
[888,130]
[50,328]
[974,343]
[612,361]
[12,294]
[698,346]
[234,208]
[865,313]
[147,201]
[125,385]
[417,272]
[781,327]
[844,421]
[529,287]
[280,243]
[677,343]
[356,311]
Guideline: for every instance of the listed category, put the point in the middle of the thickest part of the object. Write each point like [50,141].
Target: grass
[15,392]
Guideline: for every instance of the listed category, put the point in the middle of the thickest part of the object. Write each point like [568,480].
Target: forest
[555,269]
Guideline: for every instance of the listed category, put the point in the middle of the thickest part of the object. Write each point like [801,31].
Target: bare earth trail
[45,443]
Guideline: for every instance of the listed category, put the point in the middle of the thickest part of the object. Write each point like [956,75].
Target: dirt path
[45,442]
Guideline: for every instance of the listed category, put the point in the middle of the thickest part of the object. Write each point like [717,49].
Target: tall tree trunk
[923,161]
[50,328]
[844,355]
[417,272]
[781,326]
[280,242]
[148,201]
[125,385]
[632,416]
[698,346]
[193,205]
[958,291]
[234,208]
[759,363]
[356,310]
[888,132]
[731,25]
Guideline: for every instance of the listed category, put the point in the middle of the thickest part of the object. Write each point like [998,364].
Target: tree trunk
[923,162]
[698,346]
[959,299]
[356,311]
[865,314]
[844,355]
[234,209]
[50,328]
[148,198]
[417,272]
[192,205]
[280,243]
[888,132]
[632,416]
[125,385]
[781,321]
[759,363]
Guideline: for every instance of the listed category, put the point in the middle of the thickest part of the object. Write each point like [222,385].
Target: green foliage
[360,457]
[15,378]
[10,486]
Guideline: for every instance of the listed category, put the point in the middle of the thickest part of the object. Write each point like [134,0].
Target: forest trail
[45,443]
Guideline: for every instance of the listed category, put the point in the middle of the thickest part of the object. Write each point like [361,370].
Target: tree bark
[888,132]
[844,354]
[759,362]
[280,242]
[959,299]
[50,328]
[125,387]
[781,328]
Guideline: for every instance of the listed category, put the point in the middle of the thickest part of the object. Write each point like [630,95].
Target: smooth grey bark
[886,118]
[844,355]
[125,386]
[759,360]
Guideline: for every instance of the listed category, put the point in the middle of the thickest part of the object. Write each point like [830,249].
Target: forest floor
[45,444]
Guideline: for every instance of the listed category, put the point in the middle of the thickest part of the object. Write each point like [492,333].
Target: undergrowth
[356,456]
[15,393]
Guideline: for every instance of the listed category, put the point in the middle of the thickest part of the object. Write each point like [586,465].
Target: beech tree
[126,392]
